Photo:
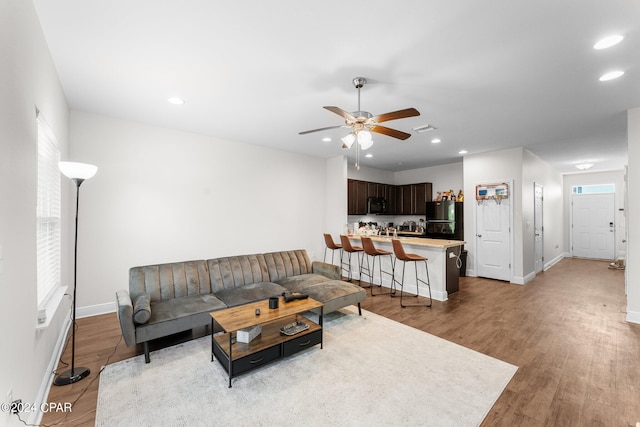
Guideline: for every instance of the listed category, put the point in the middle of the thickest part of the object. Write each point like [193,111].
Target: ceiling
[487,75]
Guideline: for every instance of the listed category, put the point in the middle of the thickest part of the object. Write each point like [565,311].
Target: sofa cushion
[334,294]
[236,271]
[184,306]
[299,282]
[177,315]
[249,293]
[168,281]
[142,309]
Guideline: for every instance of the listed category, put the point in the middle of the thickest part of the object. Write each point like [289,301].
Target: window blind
[48,212]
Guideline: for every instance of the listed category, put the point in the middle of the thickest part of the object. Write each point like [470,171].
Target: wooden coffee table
[237,358]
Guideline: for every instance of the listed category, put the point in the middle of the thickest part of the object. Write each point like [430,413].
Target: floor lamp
[77,172]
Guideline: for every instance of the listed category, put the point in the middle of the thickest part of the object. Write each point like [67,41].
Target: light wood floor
[579,361]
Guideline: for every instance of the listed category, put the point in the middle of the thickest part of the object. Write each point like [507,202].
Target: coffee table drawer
[301,343]
[256,359]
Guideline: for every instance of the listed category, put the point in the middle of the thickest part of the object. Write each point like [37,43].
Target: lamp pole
[77,172]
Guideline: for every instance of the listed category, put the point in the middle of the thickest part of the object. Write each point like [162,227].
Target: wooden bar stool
[405,257]
[371,251]
[349,249]
[330,244]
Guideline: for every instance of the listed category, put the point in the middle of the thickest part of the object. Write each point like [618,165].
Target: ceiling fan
[363,122]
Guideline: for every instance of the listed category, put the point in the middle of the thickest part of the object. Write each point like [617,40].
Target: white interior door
[592,225]
[493,225]
[538,235]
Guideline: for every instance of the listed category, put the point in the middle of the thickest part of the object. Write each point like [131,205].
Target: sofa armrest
[125,316]
[328,270]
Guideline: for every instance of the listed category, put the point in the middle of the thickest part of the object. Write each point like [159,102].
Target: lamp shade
[74,170]
[349,140]
[364,139]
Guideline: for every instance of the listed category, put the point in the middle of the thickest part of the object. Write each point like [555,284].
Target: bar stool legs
[404,257]
[349,249]
[371,251]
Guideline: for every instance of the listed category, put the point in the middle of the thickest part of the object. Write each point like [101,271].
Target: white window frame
[48,214]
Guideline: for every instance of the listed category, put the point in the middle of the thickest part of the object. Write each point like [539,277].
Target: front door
[493,239]
[592,225]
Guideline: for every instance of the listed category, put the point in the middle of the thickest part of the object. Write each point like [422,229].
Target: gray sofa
[165,299]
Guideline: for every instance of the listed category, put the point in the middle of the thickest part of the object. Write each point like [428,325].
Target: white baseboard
[45,385]
[94,310]
[554,261]
[633,317]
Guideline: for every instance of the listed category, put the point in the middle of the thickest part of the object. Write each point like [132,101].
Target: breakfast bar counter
[443,261]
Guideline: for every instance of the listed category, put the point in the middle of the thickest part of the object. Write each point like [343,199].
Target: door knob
[479,235]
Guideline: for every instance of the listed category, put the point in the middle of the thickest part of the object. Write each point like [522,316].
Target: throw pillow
[142,309]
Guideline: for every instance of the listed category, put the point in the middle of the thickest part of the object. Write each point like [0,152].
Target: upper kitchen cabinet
[420,195]
[407,199]
[357,193]
[411,199]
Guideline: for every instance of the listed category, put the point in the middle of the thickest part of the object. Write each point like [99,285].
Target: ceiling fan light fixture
[364,139]
[348,140]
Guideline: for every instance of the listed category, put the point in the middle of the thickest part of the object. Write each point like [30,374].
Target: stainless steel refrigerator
[445,220]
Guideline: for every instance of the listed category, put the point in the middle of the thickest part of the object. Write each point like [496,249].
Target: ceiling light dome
[611,75]
[584,166]
[608,41]
[176,100]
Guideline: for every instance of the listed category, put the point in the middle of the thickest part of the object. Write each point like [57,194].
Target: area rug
[372,372]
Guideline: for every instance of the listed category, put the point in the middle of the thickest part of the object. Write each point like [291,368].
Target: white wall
[633,226]
[443,177]
[586,178]
[535,171]
[370,174]
[487,168]
[28,80]
[162,195]
[336,196]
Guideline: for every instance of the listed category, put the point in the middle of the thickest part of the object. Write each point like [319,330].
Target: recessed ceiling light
[608,41]
[369,155]
[435,141]
[611,75]
[462,152]
[175,100]
[326,139]
[584,166]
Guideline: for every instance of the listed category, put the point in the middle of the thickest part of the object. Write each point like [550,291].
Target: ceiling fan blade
[390,132]
[341,112]
[320,129]
[400,114]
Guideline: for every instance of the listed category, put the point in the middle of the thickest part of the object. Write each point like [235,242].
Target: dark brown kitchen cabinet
[409,199]
[357,197]
[420,195]
[375,190]
[390,195]
[412,198]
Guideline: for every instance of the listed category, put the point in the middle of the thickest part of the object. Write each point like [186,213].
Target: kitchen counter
[443,259]
[416,241]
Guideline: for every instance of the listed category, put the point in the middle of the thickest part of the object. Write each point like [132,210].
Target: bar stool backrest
[328,240]
[367,245]
[398,250]
[346,244]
